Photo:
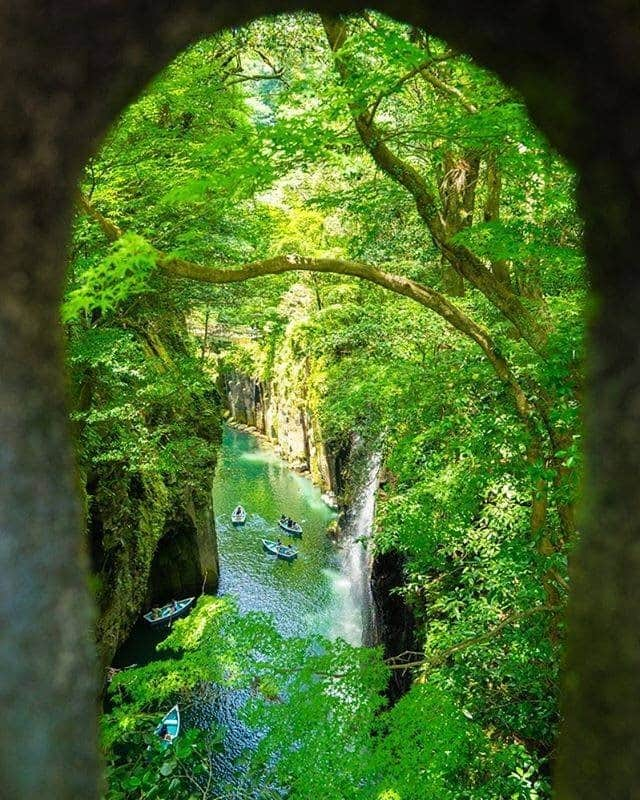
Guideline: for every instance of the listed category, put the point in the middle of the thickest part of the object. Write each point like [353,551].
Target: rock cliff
[283,412]
[149,427]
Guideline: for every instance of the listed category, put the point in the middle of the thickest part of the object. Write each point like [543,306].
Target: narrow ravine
[322,592]
[314,594]
[325,591]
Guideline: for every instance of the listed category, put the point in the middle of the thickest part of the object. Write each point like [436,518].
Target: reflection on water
[311,595]
[320,593]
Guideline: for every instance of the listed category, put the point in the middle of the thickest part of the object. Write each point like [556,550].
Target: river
[318,593]
[311,595]
[324,591]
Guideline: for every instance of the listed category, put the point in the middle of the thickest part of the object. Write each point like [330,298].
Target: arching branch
[403,173]
[531,410]
[413,660]
[424,295]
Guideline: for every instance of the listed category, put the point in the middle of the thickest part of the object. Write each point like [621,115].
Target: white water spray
[357,627]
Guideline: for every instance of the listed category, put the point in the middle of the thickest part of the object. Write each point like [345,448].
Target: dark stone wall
[145,550]
[185,561]
[394,621]
[66,70]
[175,571]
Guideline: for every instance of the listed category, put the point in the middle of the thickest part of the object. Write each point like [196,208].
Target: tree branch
[396,662]
[272,76]
[528,410]
[403,173]
[448,89]
[109,228]
[424,65]
[424,295]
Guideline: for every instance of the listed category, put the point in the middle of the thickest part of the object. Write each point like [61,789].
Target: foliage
[325,728]
[125,272]
[249,146]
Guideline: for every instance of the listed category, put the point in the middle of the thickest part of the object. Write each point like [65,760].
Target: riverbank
[295,465]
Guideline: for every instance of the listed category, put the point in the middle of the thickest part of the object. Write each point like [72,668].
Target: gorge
[397,312]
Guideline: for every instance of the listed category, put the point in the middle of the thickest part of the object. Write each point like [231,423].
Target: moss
[131,502]
[288,379]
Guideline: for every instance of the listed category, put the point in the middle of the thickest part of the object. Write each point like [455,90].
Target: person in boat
[174,605]
[279,543]
[238,511]
[162,733]
[283,518]
[156,612]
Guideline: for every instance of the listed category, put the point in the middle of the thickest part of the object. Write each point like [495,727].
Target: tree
[527,52]
[486,485]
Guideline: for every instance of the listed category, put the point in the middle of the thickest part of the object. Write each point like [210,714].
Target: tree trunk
[499,267]
[48,748]
[458,192]
[528,279]
[402,172]
[205,334]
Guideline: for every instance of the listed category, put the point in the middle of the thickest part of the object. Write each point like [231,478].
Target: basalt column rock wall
[282,413]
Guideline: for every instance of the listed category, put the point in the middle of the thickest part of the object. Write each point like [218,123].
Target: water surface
[324,591]
[311,595]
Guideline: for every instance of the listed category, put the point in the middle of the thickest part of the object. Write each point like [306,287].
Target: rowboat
[280,550]
[158,616]
[239,516]
[169,727]
[294,529]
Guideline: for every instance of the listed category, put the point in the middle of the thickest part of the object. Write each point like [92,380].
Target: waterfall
[356,529]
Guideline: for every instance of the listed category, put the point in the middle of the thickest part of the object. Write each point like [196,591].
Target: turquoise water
[311,595]
[321,592]
[318,593]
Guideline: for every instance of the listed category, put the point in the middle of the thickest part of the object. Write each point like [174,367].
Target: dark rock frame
[66,70]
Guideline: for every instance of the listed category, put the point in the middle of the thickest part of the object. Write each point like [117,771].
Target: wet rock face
[240,394]
[145,548]
[281,411]
[125,520]
[395,625]
[151,533]
[175,571]
[186,558]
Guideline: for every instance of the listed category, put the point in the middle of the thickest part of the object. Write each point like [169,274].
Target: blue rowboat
[239,516]
[280,550]
[158,616]
[169,727]
[294,529]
